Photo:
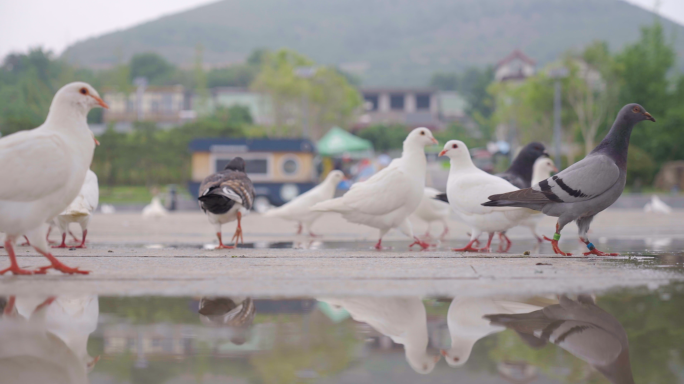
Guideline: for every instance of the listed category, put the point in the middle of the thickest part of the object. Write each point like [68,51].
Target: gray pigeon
[585,188]
[581,328]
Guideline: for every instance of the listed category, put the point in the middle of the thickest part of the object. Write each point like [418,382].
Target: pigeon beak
[100,102]
[555,169]
[444,353]
[434,141]
[442,153]
[649,117]
[97,143]
[437,358]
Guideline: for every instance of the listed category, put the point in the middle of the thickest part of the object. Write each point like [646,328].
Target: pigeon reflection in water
[404,320]
[579,327]
[235,312]
[467,324]
[44,340]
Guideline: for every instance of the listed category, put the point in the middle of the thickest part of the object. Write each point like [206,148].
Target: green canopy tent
[338,142]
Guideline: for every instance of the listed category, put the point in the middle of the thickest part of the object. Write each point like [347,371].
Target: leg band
[556,236]
[591,246]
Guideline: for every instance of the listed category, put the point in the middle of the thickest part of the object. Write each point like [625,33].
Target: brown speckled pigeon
[585,188]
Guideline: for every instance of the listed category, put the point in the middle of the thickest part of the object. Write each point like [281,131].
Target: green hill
[399,42]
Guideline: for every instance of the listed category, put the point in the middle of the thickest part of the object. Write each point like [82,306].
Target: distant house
[413,107]
[166,105]
[515,67]
[259,105]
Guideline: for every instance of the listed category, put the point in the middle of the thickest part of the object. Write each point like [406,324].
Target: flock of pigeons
[488,203]
[46,179]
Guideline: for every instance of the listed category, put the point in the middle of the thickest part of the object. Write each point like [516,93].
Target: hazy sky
[55,24]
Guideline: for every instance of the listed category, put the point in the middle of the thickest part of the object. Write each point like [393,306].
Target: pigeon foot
[556,249]
[423,245]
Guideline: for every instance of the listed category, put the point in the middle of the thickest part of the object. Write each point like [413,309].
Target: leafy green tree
[384,137]
[151,66]
[323,99]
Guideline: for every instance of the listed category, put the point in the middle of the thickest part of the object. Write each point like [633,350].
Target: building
[259,105]
[413,107]
[280,169]
[515,67]
[167,105]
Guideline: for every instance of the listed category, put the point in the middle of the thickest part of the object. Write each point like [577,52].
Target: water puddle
[623,336]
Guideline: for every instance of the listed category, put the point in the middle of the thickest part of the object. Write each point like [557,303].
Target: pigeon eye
[454,146]
[83,91]
[422,132]
[635,109]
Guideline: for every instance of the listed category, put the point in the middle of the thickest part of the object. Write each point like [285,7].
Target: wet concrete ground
[170,256]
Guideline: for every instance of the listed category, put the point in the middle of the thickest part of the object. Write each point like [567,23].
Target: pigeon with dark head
[520,172]
[585,188]
[226,196]
[579,327]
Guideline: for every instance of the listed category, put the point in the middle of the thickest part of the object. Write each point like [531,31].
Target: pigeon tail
[442,197]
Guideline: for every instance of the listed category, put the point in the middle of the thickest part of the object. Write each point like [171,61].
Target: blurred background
[301,87]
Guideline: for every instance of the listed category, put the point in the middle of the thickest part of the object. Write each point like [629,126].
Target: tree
[151,66]
[323,99]
[384,137]
[591,89]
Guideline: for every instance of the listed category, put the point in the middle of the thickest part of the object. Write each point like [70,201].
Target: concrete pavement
[132,256]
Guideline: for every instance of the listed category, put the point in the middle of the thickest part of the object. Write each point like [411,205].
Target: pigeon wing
[33,166]
[583,180]
[383,193]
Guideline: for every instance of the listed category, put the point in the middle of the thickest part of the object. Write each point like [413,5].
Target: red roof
[516,54]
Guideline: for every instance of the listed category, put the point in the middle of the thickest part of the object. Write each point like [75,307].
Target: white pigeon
[541,170]
[389,197]
[72,319]
[43,170]
[467,325]
[80,210]
[468,187]
[31,353]
[404,320]
[431,210]
[657,206]
[299,209]
[107,209]
[154,210]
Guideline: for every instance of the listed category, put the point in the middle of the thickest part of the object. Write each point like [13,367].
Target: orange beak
[100,102]
[434,141]
[443,153]
[96,142]
[444,353]
[555,169]
[649,117]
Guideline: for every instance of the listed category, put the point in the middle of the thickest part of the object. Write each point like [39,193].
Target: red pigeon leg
[74,237]
[594,251]
[488,247]
[467,248]
[554,243]
[57,265]
[444,233]
[503,238]
[238,231]
[14,267]
[47,237]
[299,229]
[63,245]
[221,246]
[82,245]
[27,243]
[379,246]
[9,307]
[423,245]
